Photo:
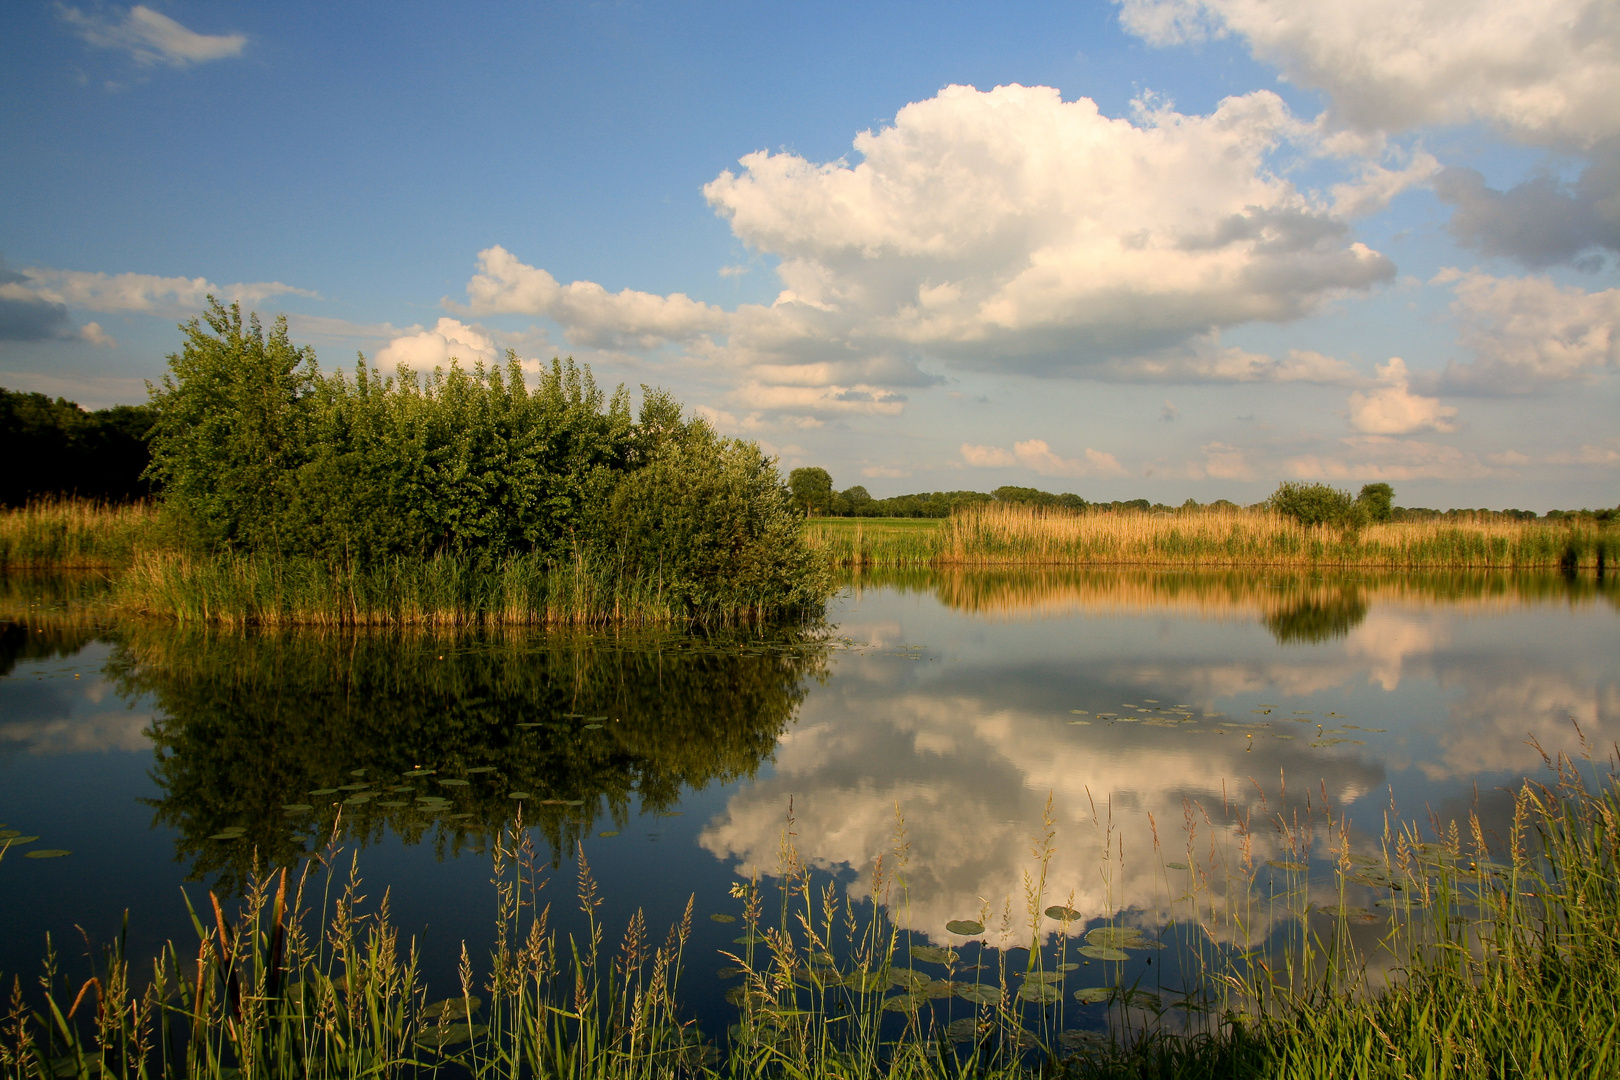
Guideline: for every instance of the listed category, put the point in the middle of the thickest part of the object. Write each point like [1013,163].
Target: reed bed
[991,535]
[75,534]
[440,590]
[1483,956]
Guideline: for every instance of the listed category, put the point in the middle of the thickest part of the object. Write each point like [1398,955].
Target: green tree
[229,435]
[1313,504]
[1378,500]
[812,490]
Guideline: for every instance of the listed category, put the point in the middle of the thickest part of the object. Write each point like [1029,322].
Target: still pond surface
[163,759]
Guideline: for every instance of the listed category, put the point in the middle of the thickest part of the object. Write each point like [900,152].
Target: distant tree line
[53,447]
[1312,504]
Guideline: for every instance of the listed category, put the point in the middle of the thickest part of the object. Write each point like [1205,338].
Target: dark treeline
[53,447]
[256,451]
[815,495]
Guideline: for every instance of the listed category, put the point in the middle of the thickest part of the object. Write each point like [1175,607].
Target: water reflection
[365,728]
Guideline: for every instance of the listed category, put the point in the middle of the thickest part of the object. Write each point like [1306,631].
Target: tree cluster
[53,447]
[257,450]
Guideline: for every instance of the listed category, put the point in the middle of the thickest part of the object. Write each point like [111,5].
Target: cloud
[1545,73]
[95,335]
[25,315]
[1542,221]
[1001,231]
[424,350]
[1589,454]
[150,36]
[146,292]
[1168,412]
[1205,361]
[1223,462]
[1383,457]
[589,314]
[1528,333]
[734,271]
[1035,454]
[1393,409]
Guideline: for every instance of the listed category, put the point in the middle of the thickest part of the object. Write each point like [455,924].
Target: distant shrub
[1314,504]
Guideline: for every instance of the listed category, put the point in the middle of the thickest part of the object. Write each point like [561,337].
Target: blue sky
[1164,248]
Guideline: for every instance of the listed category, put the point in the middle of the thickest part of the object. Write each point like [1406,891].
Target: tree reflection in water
[250,724]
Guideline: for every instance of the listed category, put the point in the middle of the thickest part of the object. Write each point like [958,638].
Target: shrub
[1313,504]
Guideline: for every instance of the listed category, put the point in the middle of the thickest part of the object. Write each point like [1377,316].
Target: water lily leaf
[17,841]
[941,988]
[1349,914]
[608,832]
[592,727]
[1287,864]
[965,927]
[518,795]
[1040,993]
[594,719]
[1113,937]
[978,993]
[418,772]
[357,772]
[324,791]
[907,1003]
[751,938]
[46,853]
[1074,1040]
[911,980]
[357,800]
[352,787]
[437,1038]
[297,807]
[1100,952]
[392,804]
[730,972]
[1043,976]
[7,833]
[479,769]
[723,918]
[228,834]
[1176,865]
[452,782]
[1062,913]
[933,955]
[866,982]
[963,1030]
[453,1008]
[575,802]
[1092,995]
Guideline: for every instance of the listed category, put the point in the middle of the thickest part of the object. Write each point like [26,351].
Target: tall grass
[75,534]
[440,590]
[991,535]
[1484,955]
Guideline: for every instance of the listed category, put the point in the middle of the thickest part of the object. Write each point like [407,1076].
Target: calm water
[163,759]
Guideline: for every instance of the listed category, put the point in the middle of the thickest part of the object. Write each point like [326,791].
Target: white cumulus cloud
[423,350]
[1392,408]
[1546,72]
[151,37]
[1527,333]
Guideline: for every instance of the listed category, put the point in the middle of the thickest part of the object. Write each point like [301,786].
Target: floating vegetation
[932,954]
[965,927]
[721,917]
[46,853]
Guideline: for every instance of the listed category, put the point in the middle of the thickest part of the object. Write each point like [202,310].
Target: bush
[1314,504]
[261,453]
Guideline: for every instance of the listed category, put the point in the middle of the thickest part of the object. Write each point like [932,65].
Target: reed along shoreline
[994,536]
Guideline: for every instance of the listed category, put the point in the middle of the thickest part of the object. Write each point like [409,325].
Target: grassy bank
[1483,956]
[1002,536]
[76,534]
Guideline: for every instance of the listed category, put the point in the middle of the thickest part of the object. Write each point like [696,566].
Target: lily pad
[1061,913]
[719,917]
[353,787]
[965,927]
[8,833]
[324,791]
[453,1008]
[392,804]
[519,795]
[297,807]
[1093,995]
[1040,993]
[941,988]
[418,772]
[46,853]
[436,1038]
[227,835]
[357,800]
[866,982]
[452,782]
[479,769]
[1176,865]
[1043,976]
[1074,1040]
[978,993]
[592,727]
[964,1030]
[608,832]
[1101,952]
[1287,864]
[16,841]
[1349,914]
[932,954]
[908,1003]
[1113,937]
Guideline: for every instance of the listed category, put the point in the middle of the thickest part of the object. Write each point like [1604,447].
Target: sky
[1166,249]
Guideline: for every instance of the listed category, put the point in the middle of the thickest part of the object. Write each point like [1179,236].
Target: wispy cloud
[150,37]
[1036,455]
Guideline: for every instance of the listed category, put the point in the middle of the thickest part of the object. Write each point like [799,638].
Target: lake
[1086,733]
